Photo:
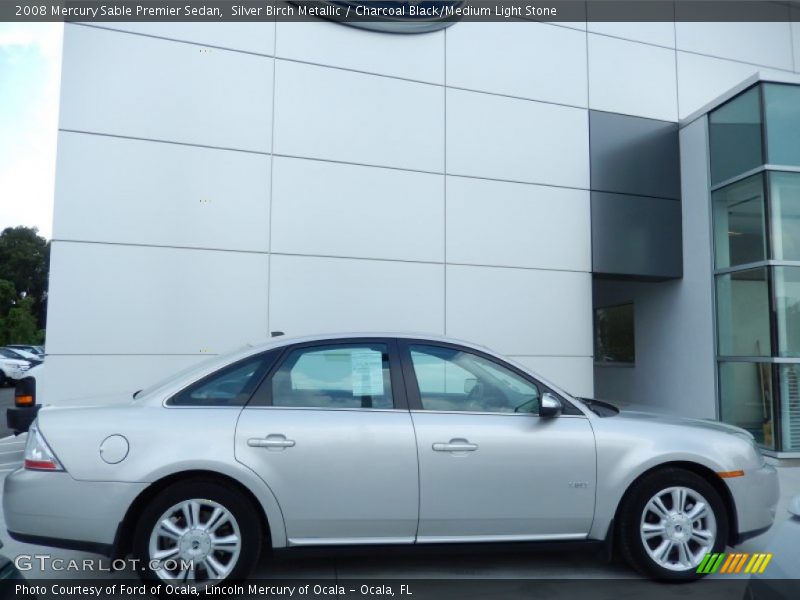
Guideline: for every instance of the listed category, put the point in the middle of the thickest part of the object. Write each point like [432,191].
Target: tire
[227,553]
[3,379]
[677,540]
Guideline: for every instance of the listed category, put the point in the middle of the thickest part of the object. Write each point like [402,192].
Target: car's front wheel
[669,521]
[198,533]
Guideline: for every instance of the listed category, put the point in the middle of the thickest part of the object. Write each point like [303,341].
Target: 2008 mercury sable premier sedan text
[378,439]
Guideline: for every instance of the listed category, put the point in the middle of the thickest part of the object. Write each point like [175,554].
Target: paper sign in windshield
[367,368]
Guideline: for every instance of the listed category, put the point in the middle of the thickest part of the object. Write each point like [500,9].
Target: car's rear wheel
[198,533]
[669,521]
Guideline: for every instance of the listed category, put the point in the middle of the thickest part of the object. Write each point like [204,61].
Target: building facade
[529,186]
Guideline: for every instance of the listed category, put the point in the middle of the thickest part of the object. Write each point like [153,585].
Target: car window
[450,379]
[335,376]
[7,353]
[230,386]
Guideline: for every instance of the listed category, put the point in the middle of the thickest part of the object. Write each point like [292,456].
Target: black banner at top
[412,12]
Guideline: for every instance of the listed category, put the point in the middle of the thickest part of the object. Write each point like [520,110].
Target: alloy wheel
[678,528]
[195,541]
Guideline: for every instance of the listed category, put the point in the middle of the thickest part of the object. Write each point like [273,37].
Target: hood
[705,424]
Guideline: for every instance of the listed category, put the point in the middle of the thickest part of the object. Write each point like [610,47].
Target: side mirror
[549,405]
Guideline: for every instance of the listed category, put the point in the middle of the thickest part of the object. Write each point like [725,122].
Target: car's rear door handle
[456,445]
[273,440]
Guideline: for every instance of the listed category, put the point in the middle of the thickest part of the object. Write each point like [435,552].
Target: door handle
[271,441]
[456,445]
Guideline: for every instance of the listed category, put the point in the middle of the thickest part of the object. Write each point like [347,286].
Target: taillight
[38,455]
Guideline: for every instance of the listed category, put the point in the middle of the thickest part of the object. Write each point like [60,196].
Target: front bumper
[755,496]
[57,510]
[16,374]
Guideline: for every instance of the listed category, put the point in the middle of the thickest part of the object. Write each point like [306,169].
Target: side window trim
[262,397]
[412,386]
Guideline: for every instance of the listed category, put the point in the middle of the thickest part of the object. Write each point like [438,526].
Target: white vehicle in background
[12,368]
[10,352]
[35,350]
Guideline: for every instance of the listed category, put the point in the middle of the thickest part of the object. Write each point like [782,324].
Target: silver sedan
[378,439]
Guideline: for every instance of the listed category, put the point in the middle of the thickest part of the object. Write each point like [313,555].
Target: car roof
[284,340]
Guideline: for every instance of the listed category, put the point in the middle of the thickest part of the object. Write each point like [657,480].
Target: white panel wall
[82,379]
[701,79]
[796,37]
[765,44]
[516,140]
[518,225]
[139,192]
[573,374]
[375,159]
[521,311]
[657,33]
[118,299]
[324,208]
[258,38]
[139,86]
[322,42]
[323,295]
[478,59]
[631,78]
[344,116]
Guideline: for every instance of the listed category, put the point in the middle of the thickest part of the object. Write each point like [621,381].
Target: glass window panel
[739,230]
[785,198]
[745,391]
[614,334]
[231,386]
[336,376]
[735,137]
[454,380]
[782,109]
[743,313]
[790,406]
[787,295]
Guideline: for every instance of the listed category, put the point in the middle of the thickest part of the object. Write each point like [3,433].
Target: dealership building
[614,205]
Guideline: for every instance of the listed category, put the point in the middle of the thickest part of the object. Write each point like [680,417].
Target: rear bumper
[756,498]
[56,510]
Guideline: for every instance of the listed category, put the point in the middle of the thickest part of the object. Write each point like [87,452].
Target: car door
[490,468]
[330,433]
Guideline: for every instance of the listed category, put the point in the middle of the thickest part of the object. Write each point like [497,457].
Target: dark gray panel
[633,155]
[635,236]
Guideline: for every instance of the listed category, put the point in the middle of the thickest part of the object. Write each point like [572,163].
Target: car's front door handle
[271,441]
[457,445]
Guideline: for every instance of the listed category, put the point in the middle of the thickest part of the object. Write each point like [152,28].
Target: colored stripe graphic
[727,566]
[710,563]
[734,563]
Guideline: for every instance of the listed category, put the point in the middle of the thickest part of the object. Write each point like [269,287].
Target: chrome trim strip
[540,537]
[494,414]
[349,541]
